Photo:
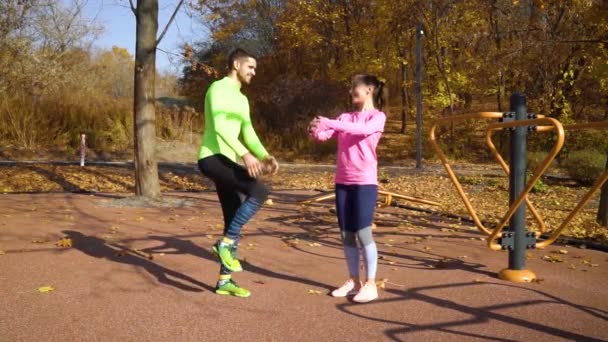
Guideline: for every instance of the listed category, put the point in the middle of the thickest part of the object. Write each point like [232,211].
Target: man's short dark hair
[238,54]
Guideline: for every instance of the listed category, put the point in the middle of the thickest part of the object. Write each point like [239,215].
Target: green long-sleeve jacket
[226,118]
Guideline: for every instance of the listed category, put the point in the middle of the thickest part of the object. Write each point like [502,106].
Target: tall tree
[144,120]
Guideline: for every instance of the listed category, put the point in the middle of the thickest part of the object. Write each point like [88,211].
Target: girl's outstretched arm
[319,134]
[374,125]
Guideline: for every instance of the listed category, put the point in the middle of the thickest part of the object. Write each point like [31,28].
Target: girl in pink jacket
[356,179]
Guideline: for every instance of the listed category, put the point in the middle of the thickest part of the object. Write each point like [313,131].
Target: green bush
[535,159]
[540,186]
[585,165]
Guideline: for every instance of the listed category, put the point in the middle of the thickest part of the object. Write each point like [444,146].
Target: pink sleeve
[323,133]
[374,125]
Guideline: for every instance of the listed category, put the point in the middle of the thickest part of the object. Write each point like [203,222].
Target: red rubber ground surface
[102,294]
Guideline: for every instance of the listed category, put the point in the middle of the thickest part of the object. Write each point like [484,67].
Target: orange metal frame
[580,205]
[452,175]
[543,125]
[557,126]
[388,198]
[599,182]
[505,167]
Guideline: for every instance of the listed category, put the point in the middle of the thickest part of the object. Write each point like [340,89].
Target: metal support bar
[388,198]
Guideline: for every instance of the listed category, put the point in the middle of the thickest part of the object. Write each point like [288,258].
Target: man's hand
[271,165]
[253,165]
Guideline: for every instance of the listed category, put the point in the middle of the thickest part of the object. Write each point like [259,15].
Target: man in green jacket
[241,195]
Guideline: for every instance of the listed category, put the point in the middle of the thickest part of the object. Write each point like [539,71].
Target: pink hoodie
[358,134]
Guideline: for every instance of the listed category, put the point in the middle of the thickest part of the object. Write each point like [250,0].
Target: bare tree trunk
[442,70]
[405,103]
[602,212]
[146,168]
[419,68]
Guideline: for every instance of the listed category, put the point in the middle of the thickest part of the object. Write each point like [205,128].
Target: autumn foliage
[476,53]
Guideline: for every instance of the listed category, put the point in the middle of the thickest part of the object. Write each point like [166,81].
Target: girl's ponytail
[379,94]
[380,91]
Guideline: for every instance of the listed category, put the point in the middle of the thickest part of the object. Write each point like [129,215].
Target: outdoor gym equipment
[580,205]
[515,238]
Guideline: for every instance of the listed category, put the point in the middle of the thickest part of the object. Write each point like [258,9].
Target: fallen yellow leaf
[552,258]
[46,289]
[381,284]
[314,292]
[64,242]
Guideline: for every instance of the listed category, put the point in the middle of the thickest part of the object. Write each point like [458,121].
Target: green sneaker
[227,255]
[232,289]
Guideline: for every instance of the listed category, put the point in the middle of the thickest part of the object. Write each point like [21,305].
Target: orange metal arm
[448,168]
[537,173]
[388,198]
[581,204]
[505,168]
[598,184]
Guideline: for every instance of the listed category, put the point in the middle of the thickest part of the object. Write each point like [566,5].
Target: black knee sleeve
[349,238]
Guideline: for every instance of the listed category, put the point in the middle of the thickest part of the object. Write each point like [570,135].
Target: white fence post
[83,147]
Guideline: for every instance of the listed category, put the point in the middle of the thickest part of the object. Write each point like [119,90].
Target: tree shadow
[479,314]
[107,177]
[98,248]
[57,179]
[173,245]
[317,230]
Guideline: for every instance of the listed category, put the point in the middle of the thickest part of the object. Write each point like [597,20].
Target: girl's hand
[312,126]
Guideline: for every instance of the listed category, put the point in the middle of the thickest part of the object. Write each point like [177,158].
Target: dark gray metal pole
[419,34]
[517,183]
